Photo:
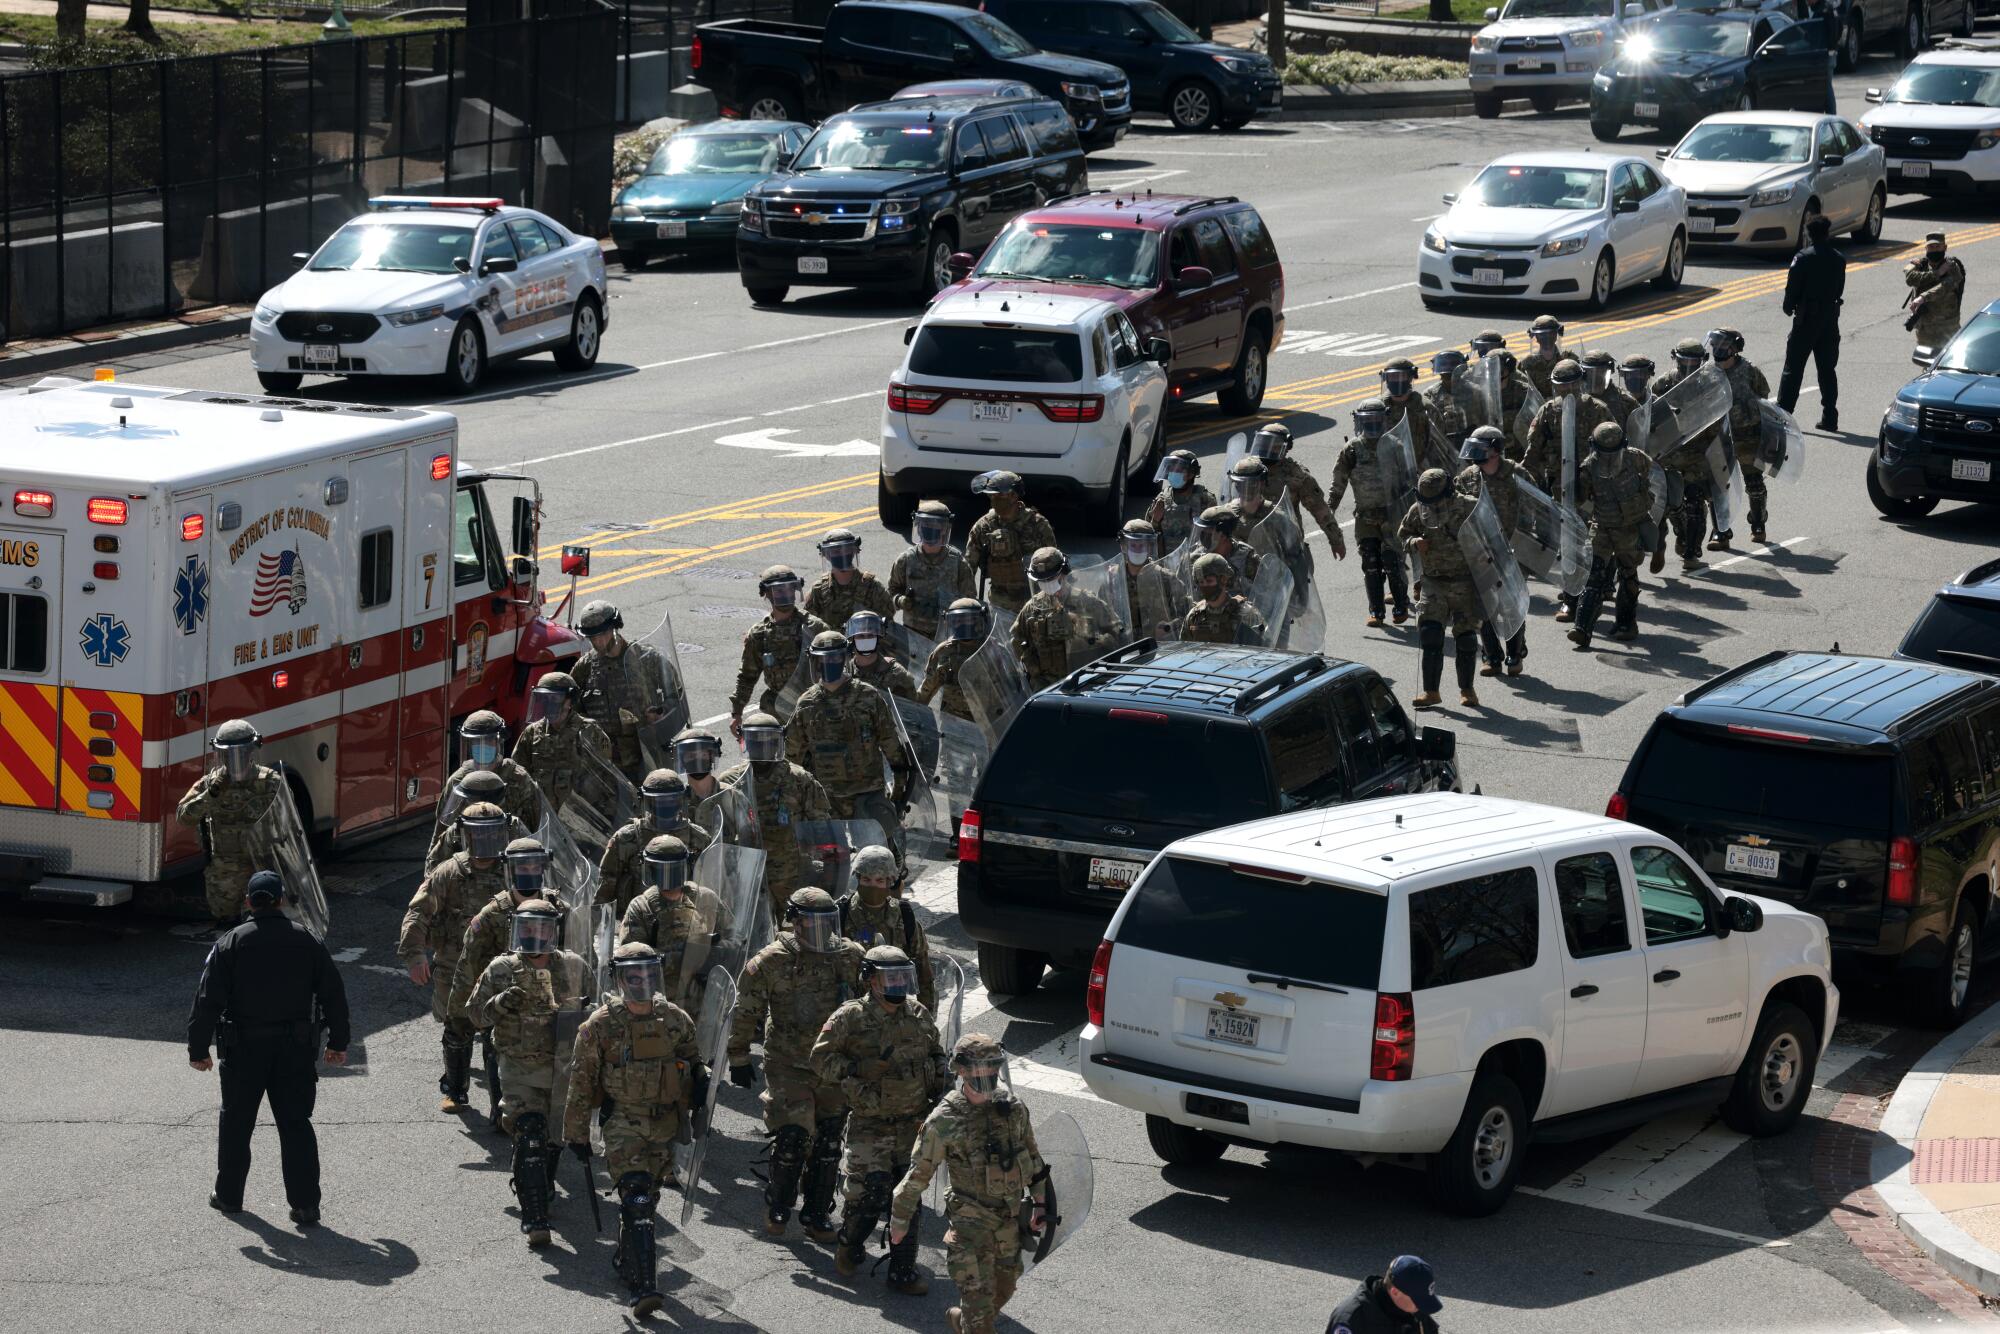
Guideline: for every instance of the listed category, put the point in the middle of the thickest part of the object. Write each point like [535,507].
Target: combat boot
[1468,698]
[1003,1290]
[1659,561]
[1374,617]
[1429,699]
[788,1161]
[1719,540]
[1564,611]
[457,1076]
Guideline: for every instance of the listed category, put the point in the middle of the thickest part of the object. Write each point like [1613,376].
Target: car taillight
[923,402]
[1093,989]
[105,509]
[1904,854]
[1082,408]
[694,52]
[968,837]
[1617,808]
[1395,1046]
[34,504]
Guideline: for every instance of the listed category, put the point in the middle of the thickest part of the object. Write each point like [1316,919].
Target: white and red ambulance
[172,559]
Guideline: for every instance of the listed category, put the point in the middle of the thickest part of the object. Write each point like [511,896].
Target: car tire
[1475,1171]
[1191,105]
[1005,971]
[772,101]
[586,336]
[1747,100]
[1435,302]
[1905,509]
[1603,280]
[936,274]
[1947,988]
[1231,123]
[1805,215]
[280,382]
[893,510]
[465,357]
[1182,1146]
[1676,265]
[1486,106]
[1245,394]
[1847,56]
[634,261]
[1543,102]
[1870,230]
[1606,131]
[767,296]
[1107,516]
[1775,1078]
[1910,39]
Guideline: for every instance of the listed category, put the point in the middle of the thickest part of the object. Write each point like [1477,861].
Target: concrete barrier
[114,273]
[649,75]
[232,241]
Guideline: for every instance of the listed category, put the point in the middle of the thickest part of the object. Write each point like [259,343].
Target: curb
[1889,1163]
[110,349]
[1412,100]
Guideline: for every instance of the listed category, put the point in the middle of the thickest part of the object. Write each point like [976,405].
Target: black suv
[1866,790]
[1961,626]
[1150,744]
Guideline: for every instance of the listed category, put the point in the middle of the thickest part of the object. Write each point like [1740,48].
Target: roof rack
[1192,205]
[1693,693]
[1080,194]
[1243,695]
[1283,679]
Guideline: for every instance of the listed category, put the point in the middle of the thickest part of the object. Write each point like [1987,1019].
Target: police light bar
[436,201]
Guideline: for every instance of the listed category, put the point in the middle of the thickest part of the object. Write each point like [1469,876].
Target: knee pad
[1371,555]
[878,1192]
[790,1145]
[1601,574]
[827,1134]
[1430,636]
[456,1042]
[636,1190]
[532,1126]
[1467,643]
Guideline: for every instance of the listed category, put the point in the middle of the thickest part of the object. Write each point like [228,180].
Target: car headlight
[1601,79]
[1082,92]
[728,208]
[1567,245]
[1434,242]
[626,211]
[264,314]
[1233,64]
[1484,45]
[405,318]
[898,214]
[1874,132]
[1902,413]
[1986,139]
[1777,194]
[751,219]
[1588,37]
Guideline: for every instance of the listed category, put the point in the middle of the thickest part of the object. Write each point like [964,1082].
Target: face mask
[1050,585]
[483,751]
[1177,479]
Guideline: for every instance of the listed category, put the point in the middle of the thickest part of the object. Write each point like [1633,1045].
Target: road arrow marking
[767,437]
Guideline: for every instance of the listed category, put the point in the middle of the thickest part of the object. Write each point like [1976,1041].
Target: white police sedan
[433,286]
[1555,228]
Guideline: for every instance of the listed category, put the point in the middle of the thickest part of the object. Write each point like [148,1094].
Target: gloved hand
[872,1068]
[509,1001]
[743,1075]
[1337,544]
[582,1152]
[736,726]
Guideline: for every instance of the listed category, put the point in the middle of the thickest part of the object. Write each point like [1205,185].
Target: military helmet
[1136,528]
[1508,361]
[1607,435]
[875,860]
[482,785]
[236,743]
[639,970]
[598,617]
[1187,458]
[829,641]
[696,749]
[664,780]
[1724,342]
[830,652]
[1433,484]
[1638,362]
[930,525]
[482,812]
[527,862]
[998,482]
[526,847]
[1218,518]
[665,864]
[1487,340]
[537,926]
[1371,413]
[1447,361]
[965,619]
[840,537]
[1597,357]
[1208,565]
[864,625]
[763,738]
[1399,366]
[1273,440]
[814,919]
[1566,371]
[840,549]
[883,956]
[1399,376]
[1546,326]
[665,847]
[977,1049]
[1690,349]
[779,585]
[1482,441]
[1250,466]
[482,722]
[634,951]
[934,509]
[561,683]
[1048,563]
[237,732]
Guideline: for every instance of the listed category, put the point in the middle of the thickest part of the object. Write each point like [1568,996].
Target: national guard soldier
[1747,390]
[791,986]
[1259,522]
[1600,381]
[1219,616]
[845,735]
[517,997]
[1450,402]
[1399,400]
[481,738]
[1937,287]
[1486,341]
[1374,526]
[785,795]
[1514,388]
[434,932]
[774,646]
[664,807]
[983,1136]
[845,588]
[1489,471]
[875,913]
[228,801]
[635,1054]
[882,1051]
[672,914]
[870,665]
[1158,601]
[625,686]
[1690,520]
[559,742]
[1215,531]
[930,574]
[478,785]
[964,631]
[1273,444]
[489,935]
[1430,530]
[1003,538]
[1182,498]
[1617,483]
[1539,365]
[1545,444]
[696,753]
[1061,624]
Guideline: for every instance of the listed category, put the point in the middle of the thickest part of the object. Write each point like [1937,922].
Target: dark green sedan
[692,190]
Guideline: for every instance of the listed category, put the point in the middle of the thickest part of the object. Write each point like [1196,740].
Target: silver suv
[1546,50]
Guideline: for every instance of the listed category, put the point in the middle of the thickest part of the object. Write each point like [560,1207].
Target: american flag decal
[281,577]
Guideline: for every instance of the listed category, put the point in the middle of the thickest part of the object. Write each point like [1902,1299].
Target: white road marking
[350,954]
[766,437]
[385,968]
[1351,344]
[1753,555]
[620,444]
[1761,1243]
[1351,296]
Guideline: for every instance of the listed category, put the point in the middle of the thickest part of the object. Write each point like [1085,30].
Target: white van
[1449,975]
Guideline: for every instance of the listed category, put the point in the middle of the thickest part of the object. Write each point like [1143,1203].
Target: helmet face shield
[697,755]
[830,665]
[1139,548]
[1635,380]
[1398,383]
[840,555]
[899,981]
[547,706]
[930,530]
[664,808]
[239,760]
[666,874]
[1368,425]
[985,1077]
[965,624]
[638,979]
[1249,490]
[764,744]
[818,932]
[484,839]
[534,933]
[482,748]
[783,592]
[526,871]
[1270,445]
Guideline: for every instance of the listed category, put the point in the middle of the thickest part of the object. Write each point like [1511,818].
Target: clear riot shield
[993,684]
[1105,581]
[1489,392]
[961,757]
[1550,539]
[575,999]
[742,922]
[1160,603]
[1524,416]
[278,843]
[785,699]
[1781,445]
[927,827]
[1724,481]
[1660,489]
[1571,447]
[827,848]
[1304,628]
[1070,1186]
[639,698]
[951,988]
[1685,411]
[1396,458]
[1638,426]
[711,1037]
[729,814]
[572,874]
[1496,574]
[1271,594]
[601,801]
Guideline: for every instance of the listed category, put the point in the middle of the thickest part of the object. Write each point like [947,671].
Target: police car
[433,286]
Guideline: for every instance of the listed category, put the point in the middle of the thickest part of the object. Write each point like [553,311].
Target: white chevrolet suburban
[1447,975]
[1547,50]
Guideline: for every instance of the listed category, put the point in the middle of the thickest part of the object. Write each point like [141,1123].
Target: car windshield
[1957,632]
[1212,914]
[1000,41]
[874,145]
[1164,25]
[708,154]
[1746,143]
[1975,348]
[1947,85]
[976,352]
[394,247]
[1559,9]
[1075,253]
[1798,785]
[1689,36]
[1538,187]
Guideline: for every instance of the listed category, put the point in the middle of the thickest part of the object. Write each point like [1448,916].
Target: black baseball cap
[1413,1278]
[266,887]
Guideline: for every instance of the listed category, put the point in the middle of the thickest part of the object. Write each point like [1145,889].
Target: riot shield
[1524,416]
[1271,594]
[1565,488]
[1659,485]
[961,757]
[1071,1183]
[1489,392]
[1304,626]
[571,1010]
[1683,412]
[741,922]
[993,684]
[1396,458]
[1160,603]
[951,988]
[601,801]
[1781,446]
[1089,640]
[639,698]
[1503,590]
[711,1037]
[572,874]
[1550,538]
[278,843]
[1724,480]
[827,848]
[927,828]
[729,814]
[785,699]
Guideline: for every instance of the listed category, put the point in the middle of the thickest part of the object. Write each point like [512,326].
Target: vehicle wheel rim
[1778,1080]
[941,264]
[1600,286]
[1875,216]
[768,108]
[1913,31]
[468,356]
[1493,1147]
[1961,965]
[1677,259]
[1852,45]
[586,332]
[1190,106]
[1253,373]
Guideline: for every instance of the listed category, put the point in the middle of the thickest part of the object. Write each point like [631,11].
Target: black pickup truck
[868,50]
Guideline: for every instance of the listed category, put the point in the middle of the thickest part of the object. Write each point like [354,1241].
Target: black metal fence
[135,190]
[656,38]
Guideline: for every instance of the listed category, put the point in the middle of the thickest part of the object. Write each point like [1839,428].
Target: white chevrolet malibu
[433,286]
[1753,178]
[1555,228]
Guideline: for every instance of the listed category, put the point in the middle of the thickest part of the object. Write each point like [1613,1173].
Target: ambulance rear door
[369,663]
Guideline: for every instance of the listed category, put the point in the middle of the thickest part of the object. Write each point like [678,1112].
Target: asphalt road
[715,439]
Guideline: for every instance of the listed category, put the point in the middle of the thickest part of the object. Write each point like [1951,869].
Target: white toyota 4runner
[1547,50]
[1447,975]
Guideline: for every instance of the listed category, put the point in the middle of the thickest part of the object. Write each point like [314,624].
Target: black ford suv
[1150,744]
[1961,625]
[1866,790]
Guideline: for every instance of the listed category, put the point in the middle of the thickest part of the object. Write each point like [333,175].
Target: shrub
[1338,67]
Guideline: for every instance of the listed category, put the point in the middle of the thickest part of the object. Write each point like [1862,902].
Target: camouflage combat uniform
[1747,389]
[1232,621]
[1055,630]
[941,677]
[1174,512]
[1454,409]
[845,738]
[1538,364]
[443,907]
[521,799]
[1358,465]
[885,1110]
[771,652]
[1158,601]
[1618,485]
[555,757]
[1617,402]
[1545,442]
[1507,507]
[231,812]
[1289,476]
[488,935]
[1690,462]
[617,692]
[891,922]
[1428,441]
[1449,599]
[832,602]
[645,1066]
[924,585]
[1936,292]
[999,549]
[886,675]
[786,795]
[524,1030]
[670,926]
[618,880]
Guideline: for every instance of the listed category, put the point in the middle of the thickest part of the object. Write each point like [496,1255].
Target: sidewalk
[1939,1163]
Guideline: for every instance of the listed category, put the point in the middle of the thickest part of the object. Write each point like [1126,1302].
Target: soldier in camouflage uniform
[481,739]
[1452,404]
[1259,522]
[1181,498]
[1216,530]
[983,1136]
[489,934]
[1514,388]
[1937,291]
[1690,521]
[664,807]
[477,785]
[846,735]
[785,794]
[671,913]
[517,997]
[1600,381]
[845,587]
[696,752]
[434,932]
[965,631]
[872,665]
[1540,364]
[1488,471]
[931,574]
[560,742]
[1060,622]
[624,686]
[1618,484]
[1430,531]
[1159,602]
[774,646]
[1428,440]
[1635,376]
[1219,616]
[229,800]
[1003,538]
[791,986]
[1374,527]
[875,913]
[1747,390]
[882,1050]
[1545,444]
[1287,476]
[636,1055]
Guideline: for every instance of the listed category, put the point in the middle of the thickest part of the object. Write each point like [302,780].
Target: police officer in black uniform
[265,993]
[1813,292]
[1402,1301]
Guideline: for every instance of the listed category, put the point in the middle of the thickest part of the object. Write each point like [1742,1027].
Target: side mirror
[1925,357]
[909,334]
[783,162]
[1635,11]
[461,263]
[1742,914]
[959,265]
[1832,159]
[1492,15]
[523,535]
[1872,95]
[523,570]
[299,258]
[499,264]
[1663,153]
[1626,206]
[1192,277]
[1160,350]
[1449,200]
[1434,743]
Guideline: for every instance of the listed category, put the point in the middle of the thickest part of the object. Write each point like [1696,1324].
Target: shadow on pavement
[322,1252]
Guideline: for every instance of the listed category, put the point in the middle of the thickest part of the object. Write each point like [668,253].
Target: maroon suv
[1200,272]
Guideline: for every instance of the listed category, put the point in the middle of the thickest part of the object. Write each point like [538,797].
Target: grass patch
[107,43]
[1463,11]
[1339,67]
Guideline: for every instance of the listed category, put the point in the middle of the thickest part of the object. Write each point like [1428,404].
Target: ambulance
[172,559]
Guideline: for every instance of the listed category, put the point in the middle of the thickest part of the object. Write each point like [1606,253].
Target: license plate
[1230,1026]
[1916,171]
[1701,226]
[321,354]
[671,231]
[1971,470]
[812,263]
[1740,859]
[1531,66]
[1646,110]
[1488,277]
[1110,873]
[1004,412]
